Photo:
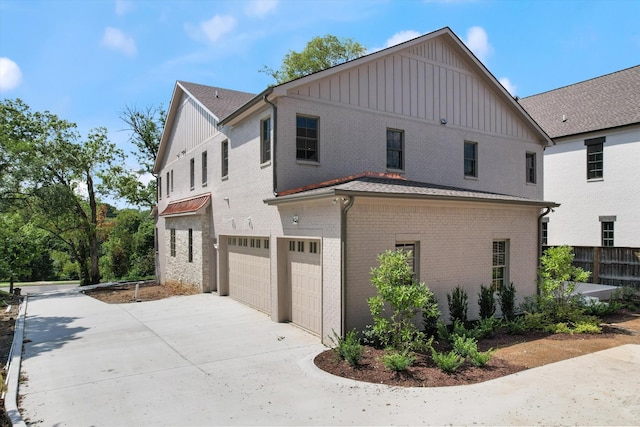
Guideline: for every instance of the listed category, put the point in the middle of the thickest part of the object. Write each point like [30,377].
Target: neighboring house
[283,200]
[593,168]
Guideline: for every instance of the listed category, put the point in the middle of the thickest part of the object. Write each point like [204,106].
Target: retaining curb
[13,373]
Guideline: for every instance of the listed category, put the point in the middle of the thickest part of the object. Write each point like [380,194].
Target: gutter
[343,267]
[274,145]
[542,215]
[332,192]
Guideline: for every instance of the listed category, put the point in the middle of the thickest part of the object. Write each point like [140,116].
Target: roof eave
[502,89]
[571,136]
[293,198]
[246,109]
[157,165]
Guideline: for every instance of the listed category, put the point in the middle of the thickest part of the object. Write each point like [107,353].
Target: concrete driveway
[208,360]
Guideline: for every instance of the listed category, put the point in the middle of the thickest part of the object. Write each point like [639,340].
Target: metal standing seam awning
[190,206]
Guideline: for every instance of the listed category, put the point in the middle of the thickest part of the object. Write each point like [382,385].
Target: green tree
[558,277]
[129,249]
[58,176]
[319,54]
[400,293]
[146,131]
[21,250]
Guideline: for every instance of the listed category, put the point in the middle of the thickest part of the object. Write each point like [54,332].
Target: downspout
[274,144]
[343,268]
[542,215]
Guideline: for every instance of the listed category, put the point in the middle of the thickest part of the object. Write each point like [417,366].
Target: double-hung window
[168,184]
[307,138]
[192,173]
[411,248]
[204,169]
[395,149]
[606,224]
[531,168]
[595,157]
[159,185]
[470,159]
[500,273]
[265,140]
[172,242]
[225,157]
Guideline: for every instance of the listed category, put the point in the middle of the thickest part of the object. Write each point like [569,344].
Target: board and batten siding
[193,126]
[430,81]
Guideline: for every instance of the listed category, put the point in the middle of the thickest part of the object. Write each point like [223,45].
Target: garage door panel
[249,277]
[305,278]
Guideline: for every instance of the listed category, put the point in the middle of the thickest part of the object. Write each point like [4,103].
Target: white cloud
[478,42]
[123,7]
[510,87]
[260,8]
[395,39]
[212,29]
[10,74]
[115,39]
[401,37]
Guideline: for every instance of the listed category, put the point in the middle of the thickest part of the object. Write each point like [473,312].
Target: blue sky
[85,60]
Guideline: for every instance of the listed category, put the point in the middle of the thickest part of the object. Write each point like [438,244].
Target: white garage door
[249,273]
[305,278]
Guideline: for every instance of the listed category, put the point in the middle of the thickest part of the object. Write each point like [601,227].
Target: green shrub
[400,297]
[599,308]
[430,315]
[397,361]
[422,344]
[464,346]
[347,348]
[481,358]
[443,331]
[458,304]
[487,302]
[626,296]
[560,328]
[535,321]
[485,328]
[558,277]
[531,304]
[460,329]
[507,300]
[586,328]
[516,326]
[447,362]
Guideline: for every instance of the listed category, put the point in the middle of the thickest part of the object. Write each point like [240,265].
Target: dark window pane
[307,138]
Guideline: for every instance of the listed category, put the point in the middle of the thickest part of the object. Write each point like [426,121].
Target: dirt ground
[150,291]
[513,353]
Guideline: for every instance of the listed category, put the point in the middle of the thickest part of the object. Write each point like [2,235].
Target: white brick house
[592,168]
[290,195]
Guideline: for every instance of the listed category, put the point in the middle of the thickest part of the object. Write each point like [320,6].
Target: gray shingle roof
[390,187]
[601,103]
[219,101]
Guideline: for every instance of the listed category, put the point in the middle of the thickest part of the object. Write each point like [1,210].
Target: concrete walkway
[208,360]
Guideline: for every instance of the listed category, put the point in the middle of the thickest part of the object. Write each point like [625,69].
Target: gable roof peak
[217,100]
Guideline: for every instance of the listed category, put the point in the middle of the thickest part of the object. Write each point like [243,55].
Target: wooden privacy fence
[610,266]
